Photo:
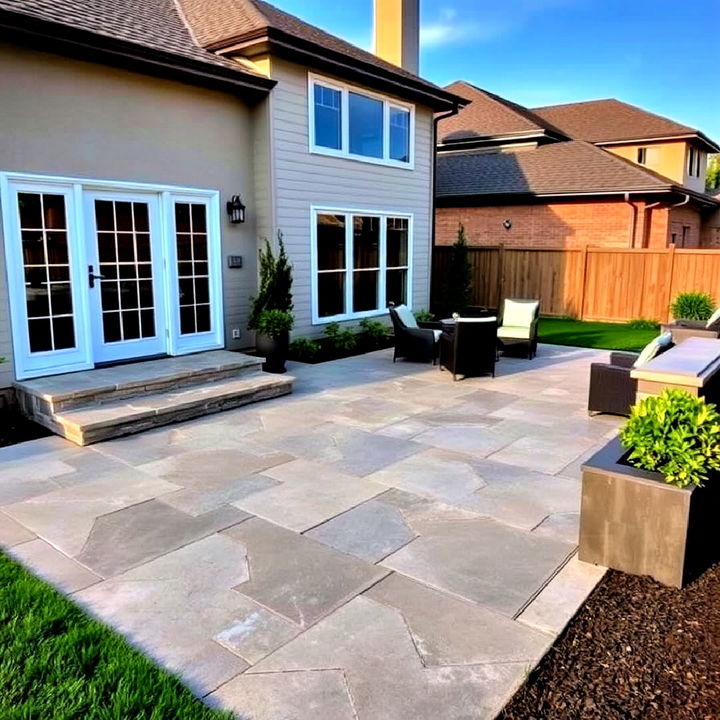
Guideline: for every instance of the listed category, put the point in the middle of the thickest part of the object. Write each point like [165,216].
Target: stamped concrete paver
[296,577]
[411,561]
[370,531]
[449,557]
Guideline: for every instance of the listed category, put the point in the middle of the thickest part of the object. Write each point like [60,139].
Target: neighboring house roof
[488,115]
[252,26]
[610,121]
[194,31]
[563,168]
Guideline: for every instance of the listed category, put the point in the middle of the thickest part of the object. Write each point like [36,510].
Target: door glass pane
[397,242]
[399,134]
[327,117]
[191,242]
[331,242]
[48,292]
[366,126]
[366,242]
[123,241]
[331,294]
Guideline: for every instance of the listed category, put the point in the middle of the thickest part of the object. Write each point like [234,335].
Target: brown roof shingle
[610,120]
[557,168]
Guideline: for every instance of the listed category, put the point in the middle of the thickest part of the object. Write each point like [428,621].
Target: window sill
[361,158]
[349,317]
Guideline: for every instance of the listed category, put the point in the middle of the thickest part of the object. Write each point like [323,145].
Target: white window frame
[344,152]
[29,365]
[316,210]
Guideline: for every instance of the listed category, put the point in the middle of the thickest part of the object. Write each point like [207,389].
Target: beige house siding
[304,179]
[71,118]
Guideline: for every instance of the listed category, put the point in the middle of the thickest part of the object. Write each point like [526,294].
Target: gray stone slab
[322,695]
[562,526]
[174,605]
[435,474]
[548,454]
[387,680]
[450,631]
[65,517]
[12,532]
[296,577]
[370,531]
[475,440]
[309,494]
[50,564]
[126,538]
[481,560]
[561,598]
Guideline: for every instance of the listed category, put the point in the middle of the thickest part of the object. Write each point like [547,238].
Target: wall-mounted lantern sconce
[507,224]
[236,210]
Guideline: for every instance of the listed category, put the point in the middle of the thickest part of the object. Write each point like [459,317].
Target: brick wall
[710,231]
[689,218]
[551,225]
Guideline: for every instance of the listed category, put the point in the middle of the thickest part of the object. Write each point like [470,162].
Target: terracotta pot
[632,520]
[274,350]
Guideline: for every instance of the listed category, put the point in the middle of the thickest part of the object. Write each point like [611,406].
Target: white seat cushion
[476,320]
[510,331]
[437,334]
[406,316]
[653,348]
[713,319]
[519,313]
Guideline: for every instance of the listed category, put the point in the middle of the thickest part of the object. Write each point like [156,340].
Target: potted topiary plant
[651,497]
[271,314]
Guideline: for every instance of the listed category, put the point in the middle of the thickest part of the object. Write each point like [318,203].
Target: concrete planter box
[631,520]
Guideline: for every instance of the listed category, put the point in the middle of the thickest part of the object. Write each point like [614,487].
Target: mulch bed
[15,428]
[636,649]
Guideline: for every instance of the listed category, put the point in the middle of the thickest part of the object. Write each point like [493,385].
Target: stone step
[92,423]
[59,393]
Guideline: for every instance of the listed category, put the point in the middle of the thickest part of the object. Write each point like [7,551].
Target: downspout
[647,210]
[433,189]
[633,225]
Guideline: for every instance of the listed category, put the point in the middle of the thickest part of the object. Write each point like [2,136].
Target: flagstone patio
[385,544]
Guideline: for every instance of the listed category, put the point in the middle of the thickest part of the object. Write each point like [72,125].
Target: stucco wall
[67,117]
[304,179]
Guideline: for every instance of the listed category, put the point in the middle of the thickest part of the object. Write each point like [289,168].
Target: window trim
[344,152]
[316,210]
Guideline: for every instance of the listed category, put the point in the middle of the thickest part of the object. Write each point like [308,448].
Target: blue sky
[663,55]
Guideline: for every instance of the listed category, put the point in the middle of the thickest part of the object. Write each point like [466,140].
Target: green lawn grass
[56,663]
[607,336]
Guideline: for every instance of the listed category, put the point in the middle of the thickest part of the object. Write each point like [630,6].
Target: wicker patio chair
[413,342]
[519,325]
[471,348]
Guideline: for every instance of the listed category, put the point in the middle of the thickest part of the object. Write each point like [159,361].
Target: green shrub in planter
[340,340]
[675,434]
[373,331]
[305,349]
[424,316]
[274,323]
[692,306]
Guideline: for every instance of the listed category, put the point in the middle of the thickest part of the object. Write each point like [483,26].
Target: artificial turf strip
[605,336]
[56,663]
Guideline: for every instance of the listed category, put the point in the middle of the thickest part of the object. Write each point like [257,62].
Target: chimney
[397,32]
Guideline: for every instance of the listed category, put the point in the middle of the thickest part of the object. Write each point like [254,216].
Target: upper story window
[642,156]
[349,122]
[694,159]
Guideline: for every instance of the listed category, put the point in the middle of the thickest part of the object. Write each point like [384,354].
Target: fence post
[584,281]
[501,275]
[671,272]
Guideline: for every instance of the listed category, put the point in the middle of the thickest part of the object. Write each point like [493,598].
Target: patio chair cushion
[713,320]
[653,348]
[475,320]
[518,313]
[437,334]
[514,331]
[406,317]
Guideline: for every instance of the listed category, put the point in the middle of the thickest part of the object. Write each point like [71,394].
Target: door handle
[92,277]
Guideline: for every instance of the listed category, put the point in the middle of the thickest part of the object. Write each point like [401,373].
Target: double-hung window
[361,262]
[349,122]
[694,161]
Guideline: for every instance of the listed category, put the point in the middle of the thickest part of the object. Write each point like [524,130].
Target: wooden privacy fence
[590,283]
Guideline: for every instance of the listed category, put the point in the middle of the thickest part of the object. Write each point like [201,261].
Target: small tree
[458,283]
[275,285]
[712,179]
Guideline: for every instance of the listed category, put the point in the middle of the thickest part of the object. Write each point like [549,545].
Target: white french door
[104,272]
[124,275]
